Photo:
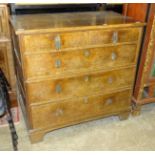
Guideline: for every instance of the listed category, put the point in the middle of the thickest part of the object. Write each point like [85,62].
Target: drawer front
[53,64]
[52,90]
[3,22]
[55,114]
[60,41]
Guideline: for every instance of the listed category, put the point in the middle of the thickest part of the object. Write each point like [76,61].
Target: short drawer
[64,113]
[68,40]
[70,62]
[51,90]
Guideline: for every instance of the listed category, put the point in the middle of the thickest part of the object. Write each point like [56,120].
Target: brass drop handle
[115,37]
[57,42]
[58,63]
[113,56]
[58,88]
[86,53]
[110,80]
[109,101]
[59,112]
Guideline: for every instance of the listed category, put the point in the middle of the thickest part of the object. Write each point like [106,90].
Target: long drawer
[51,90]
[59,41]
[55,114]
[70,62]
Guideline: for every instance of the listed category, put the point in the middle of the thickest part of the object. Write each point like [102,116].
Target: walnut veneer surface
[74,67]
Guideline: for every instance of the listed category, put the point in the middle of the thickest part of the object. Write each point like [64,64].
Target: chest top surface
[61,21]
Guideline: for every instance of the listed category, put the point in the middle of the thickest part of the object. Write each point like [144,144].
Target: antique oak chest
[74,67]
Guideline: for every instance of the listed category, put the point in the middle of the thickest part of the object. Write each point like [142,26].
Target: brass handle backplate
[85,99]
[58,63]
[58,88]
[57,42]
[109,101]
[86,78]
[59,112]
[115,37]
[113,56]
[86,53]
[110,80]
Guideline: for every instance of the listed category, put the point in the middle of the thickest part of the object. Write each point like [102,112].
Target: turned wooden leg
[124,115]
[36,136]
[136,110]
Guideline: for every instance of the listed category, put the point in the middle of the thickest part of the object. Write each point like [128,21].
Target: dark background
[33,9]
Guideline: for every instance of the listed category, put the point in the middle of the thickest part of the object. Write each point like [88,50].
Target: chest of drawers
[72,68]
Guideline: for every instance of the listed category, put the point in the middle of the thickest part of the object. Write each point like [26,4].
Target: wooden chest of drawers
[72,68]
